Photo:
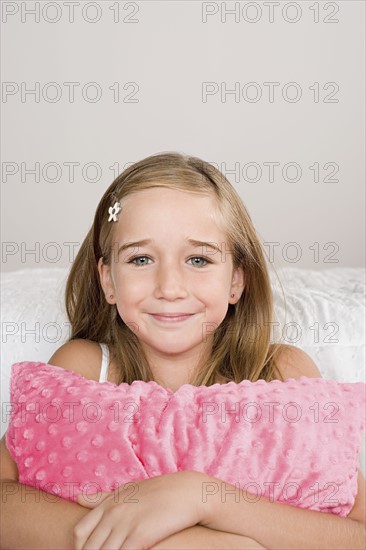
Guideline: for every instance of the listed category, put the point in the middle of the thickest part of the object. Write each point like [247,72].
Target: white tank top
[105,363]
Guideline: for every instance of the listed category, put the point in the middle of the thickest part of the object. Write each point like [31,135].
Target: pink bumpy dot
[40,445]
[40,475]
[103,393]
[28,434]
[85,400]
[113,426]
[67,471]
[100,470]
[114,455]
[66,442]
[97,441]
[52,429]
[82,456]
[52,457]
[28,461]
[18,451]
[81,426]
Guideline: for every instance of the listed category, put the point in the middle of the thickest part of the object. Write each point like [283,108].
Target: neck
[172,372]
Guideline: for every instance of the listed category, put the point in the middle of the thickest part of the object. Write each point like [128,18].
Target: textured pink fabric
[295,441]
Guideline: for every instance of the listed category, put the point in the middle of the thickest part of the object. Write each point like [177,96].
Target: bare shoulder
[293,362]
[81,356]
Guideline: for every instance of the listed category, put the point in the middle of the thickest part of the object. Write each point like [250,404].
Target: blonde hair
[242,347]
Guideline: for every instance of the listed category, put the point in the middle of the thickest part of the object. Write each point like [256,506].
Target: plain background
[168,51]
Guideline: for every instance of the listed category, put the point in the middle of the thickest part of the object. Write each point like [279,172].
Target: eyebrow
[144,242]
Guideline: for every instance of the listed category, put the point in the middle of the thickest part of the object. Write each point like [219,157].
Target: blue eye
[201,258]
[134,260]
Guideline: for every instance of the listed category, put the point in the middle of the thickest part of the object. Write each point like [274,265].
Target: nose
[170,282]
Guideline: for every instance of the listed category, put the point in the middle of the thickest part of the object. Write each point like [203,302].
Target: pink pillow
[295,441]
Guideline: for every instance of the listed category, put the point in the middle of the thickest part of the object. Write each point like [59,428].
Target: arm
[32,518]
[29,519]
[202,538]
[279,525]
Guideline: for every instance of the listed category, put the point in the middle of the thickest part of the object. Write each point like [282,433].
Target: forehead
[169,212]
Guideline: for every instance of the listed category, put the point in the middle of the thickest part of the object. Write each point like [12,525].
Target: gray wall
[174,64]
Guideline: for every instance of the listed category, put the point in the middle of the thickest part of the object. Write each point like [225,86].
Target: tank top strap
[105,363]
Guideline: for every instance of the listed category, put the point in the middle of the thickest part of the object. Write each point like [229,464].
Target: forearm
[199,537]
[31,518]
[277,525]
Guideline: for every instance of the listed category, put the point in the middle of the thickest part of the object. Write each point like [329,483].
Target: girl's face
[169,275]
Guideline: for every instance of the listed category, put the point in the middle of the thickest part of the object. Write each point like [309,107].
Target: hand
[141,513]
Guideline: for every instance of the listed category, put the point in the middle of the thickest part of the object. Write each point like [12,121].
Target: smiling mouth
[172,318]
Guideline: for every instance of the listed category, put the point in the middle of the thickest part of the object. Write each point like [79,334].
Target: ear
[237,285]
[106,282]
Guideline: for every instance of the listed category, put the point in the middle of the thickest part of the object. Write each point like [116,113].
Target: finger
[84,501]
[135,540]
[91,500]
[130,544]
[97,537]
[113,542]
[86,526]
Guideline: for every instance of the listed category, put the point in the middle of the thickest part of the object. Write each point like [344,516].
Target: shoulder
[81,356]
[293,362]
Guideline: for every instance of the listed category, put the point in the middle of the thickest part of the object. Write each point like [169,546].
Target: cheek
[131,289]
[217,286]
[215,294]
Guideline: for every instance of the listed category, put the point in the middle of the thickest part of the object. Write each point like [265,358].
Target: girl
[172,280]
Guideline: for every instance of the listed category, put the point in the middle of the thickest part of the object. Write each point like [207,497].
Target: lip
[172,317]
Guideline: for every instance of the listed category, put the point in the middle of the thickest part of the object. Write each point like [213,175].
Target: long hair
[242,347]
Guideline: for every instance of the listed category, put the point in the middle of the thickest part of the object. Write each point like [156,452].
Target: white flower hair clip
[113,211]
